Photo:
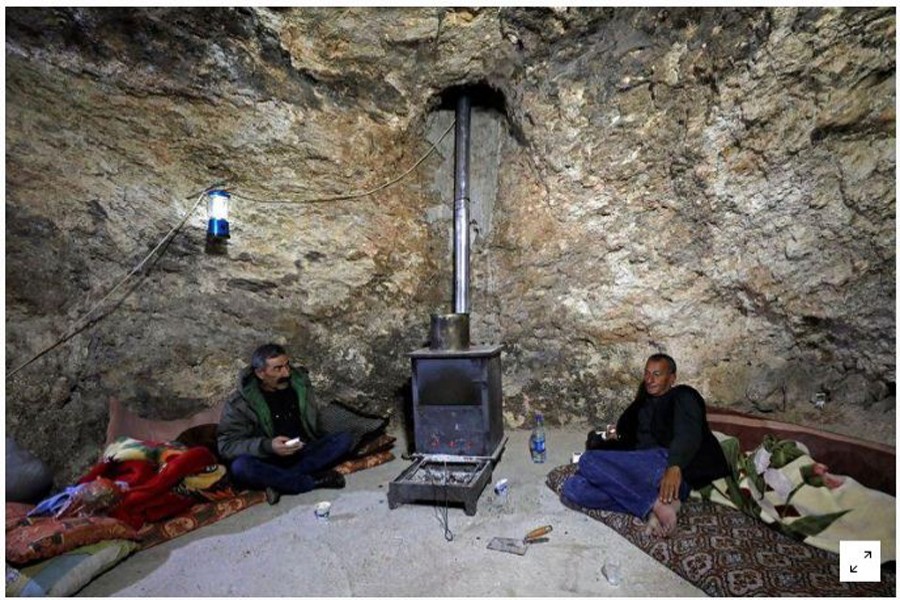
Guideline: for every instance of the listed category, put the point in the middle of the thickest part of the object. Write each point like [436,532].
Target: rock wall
[715,183]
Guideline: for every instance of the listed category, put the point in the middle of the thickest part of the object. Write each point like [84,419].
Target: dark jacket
[678,423]
[246,427]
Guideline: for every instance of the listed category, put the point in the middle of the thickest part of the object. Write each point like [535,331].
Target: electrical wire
[83,322]
[448,535]
[442,512]
[360,194]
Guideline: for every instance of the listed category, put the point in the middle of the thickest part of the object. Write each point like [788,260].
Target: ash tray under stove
[444,479]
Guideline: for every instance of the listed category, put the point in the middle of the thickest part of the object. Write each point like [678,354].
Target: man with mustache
[660,449]
[268,430]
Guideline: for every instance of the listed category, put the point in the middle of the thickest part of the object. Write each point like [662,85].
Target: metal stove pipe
[461,207]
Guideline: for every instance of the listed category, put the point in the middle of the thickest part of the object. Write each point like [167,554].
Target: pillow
[123,422]
[28,478]
[45,537]
[18,584]
[17,514]
[67,573]
[334,417]
[201,435]
[366,462]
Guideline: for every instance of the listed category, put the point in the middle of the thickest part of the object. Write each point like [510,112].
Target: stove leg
[471,507]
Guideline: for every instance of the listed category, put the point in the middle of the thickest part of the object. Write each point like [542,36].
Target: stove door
[457,405]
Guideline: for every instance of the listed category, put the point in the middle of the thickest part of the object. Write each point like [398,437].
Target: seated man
[268,430]
[662,447]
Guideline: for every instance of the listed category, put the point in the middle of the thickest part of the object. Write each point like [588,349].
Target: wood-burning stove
[458,426]
[456,388]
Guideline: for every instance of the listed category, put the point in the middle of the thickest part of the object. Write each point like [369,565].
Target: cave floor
[367,549]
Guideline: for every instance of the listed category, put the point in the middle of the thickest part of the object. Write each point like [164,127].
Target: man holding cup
[270,434]
[658,450]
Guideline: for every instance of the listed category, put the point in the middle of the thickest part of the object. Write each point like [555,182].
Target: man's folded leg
[316,458]
[258,474]
[582,492]
[629,478]
[323,453]
[305,471]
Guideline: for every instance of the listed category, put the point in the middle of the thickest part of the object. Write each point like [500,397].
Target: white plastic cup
[501,492]
[609,433]
[612,570]
[323,510]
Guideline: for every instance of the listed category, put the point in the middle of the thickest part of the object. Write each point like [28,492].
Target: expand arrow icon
[853,568]
[868,554]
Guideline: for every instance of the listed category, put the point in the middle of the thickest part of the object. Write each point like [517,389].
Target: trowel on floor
[520,546]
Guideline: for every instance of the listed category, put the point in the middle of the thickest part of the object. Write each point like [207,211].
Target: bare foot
[652,524]
[664,518]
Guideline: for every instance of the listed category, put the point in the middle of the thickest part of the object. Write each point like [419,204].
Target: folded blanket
[781,484]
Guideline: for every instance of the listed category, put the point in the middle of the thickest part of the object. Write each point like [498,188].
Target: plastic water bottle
[538,441]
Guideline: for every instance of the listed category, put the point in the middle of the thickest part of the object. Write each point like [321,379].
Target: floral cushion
[16,512]
[35,538]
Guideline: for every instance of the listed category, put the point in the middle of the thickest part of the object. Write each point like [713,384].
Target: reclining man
[268,430]
[662,447]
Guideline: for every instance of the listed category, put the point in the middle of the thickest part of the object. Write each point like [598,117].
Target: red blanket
[155,484]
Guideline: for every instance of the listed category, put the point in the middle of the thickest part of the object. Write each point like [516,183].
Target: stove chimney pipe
[451,331]
[461,207]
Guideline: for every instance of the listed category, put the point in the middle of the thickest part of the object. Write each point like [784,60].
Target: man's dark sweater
[285,412]
[676,421]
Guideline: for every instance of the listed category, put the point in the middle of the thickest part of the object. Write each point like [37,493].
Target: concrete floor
[366,549]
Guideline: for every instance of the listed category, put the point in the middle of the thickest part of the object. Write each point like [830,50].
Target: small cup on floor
[323,510]
[612,570]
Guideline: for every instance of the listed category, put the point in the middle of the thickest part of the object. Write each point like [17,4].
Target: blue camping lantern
[217,208]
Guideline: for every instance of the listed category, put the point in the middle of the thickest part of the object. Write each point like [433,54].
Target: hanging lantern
[217,208]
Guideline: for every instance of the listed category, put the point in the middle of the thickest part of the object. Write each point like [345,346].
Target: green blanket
[781,484]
